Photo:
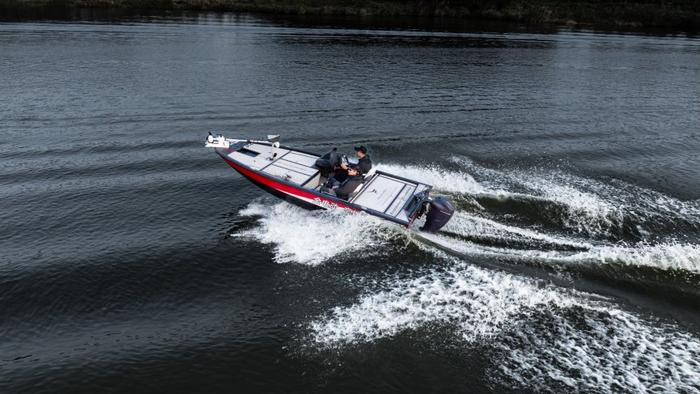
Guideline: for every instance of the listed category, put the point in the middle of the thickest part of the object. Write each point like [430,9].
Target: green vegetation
[676,14]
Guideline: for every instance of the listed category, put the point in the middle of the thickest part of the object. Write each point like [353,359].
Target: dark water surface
[133,259]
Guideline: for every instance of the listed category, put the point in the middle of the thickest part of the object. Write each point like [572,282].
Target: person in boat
[344,188]
[364,164]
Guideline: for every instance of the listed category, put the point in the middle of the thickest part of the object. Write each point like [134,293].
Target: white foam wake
[600,350]
[477,301]
[475,226]
[440,178]
[667,256]
[314,237]
[538,336]
[591,206]
[586,211]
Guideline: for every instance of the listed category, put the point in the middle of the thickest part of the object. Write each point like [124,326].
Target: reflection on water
[133,259]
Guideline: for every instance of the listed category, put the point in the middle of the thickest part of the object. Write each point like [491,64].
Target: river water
[134,260]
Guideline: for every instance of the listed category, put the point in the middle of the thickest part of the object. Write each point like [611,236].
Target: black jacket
[365,164]
[348,186]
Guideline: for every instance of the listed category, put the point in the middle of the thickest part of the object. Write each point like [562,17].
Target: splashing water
[597,350]
[670,256]
[592,207]
[587,212]
[314,237]
[475,226]
[441,179]
[480,303]
[536,334]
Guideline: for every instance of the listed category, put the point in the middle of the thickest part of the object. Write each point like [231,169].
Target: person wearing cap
[365,163]
[344,188]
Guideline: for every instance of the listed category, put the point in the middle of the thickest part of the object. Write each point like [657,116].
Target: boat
[298,177]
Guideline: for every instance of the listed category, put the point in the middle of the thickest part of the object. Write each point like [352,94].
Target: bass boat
[298,177]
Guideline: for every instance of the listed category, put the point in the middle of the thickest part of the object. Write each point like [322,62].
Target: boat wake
[563,219]
[568,221]
[536,333]
[477,237]
[315,237]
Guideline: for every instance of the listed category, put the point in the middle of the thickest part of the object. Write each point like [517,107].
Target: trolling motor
[439,211]
[218,141]
[274,139]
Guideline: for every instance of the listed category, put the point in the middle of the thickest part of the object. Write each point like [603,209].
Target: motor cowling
[440,212]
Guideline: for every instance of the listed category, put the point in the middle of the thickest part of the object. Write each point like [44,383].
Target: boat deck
[292,166]
[388,194]
[383,193]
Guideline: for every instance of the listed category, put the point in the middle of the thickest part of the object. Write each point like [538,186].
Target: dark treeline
[674,14]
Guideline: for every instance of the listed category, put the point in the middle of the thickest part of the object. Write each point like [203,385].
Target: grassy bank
[673,14]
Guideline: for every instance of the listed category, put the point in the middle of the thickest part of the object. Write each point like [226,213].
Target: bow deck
[293,175]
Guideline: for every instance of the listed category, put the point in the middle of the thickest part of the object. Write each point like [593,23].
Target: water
[132,259]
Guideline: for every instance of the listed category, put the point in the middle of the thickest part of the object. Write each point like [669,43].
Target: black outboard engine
[439,213]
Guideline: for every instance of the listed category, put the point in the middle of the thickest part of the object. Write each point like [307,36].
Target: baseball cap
[361,148]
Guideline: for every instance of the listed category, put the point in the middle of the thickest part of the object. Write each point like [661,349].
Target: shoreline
[677,15]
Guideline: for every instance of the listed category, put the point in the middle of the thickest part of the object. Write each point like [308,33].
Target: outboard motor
[439,213]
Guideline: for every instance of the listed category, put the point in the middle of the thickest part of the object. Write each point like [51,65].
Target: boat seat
[356,191]
[367,178]
[332,193]
[359,187]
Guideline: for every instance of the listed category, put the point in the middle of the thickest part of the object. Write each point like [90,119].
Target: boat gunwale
[322,196]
